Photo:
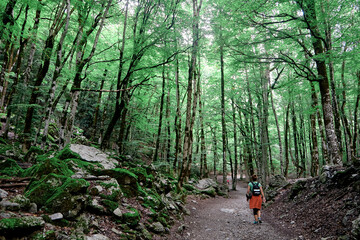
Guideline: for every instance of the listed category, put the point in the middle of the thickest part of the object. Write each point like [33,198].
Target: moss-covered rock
[59,194]
[127,180]
[9,167]
[111,205]
[66,153]
[49,165]
[31,154]
[20,226]
[132,217]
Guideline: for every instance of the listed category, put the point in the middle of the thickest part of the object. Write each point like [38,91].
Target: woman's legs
[256,214]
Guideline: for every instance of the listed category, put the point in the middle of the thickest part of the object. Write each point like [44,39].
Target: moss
[40,191]
[33,151]
[24,224]
[74,163]
[66,153]
[114,196]
[132,218]
[54,187]
[110,204]
[9,167]
[52,165]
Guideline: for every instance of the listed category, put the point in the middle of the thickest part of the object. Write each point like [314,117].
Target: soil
[227,219]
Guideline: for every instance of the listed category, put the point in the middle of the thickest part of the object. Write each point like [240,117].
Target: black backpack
[256,189]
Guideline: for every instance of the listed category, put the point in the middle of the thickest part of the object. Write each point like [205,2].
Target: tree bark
[312,25]
[314,150]
[187,146]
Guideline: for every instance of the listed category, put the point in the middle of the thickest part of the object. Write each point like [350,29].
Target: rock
[23,201]
[10,206]
[33,208]
[209,191]
[278,181]
[59,194]
[157,227]
[96,207]
[95,190]
[56,216]
[356,228]
[91,154]
[20,226]
[3,194]
[117,212]
[96,237]
[206,183]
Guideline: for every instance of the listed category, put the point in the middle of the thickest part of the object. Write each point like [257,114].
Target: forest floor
[226,219]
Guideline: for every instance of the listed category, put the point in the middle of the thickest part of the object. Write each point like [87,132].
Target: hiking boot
[256,222]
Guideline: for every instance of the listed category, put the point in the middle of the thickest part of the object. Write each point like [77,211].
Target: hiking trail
[226,219]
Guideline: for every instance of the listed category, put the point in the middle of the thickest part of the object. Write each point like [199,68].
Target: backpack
[256,189]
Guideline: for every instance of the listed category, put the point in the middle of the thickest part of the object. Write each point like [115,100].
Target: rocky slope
[82,193]
[325,207]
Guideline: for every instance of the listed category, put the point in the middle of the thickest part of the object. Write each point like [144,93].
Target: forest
[198,88]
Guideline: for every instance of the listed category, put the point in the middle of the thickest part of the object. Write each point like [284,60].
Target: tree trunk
[223,123]
[286,141]
[187,147]
[234,182]
[59,64]
[278,134]
[314,150]
[155,157]
[310,18]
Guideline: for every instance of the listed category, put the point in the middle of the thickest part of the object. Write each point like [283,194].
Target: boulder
[92,154]
[59,194]
[206,183]
[21,226]
[157,227]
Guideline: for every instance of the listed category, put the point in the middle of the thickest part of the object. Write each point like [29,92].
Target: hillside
[325,207]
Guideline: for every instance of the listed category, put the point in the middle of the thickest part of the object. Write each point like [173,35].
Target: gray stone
[157,227]
[3,194]
[33,208]
[117,212]
[7,205]
[91,154]
[206,183]
[56,216]
[96,237]
[23,201]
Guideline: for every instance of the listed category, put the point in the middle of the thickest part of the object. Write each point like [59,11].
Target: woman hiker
[257,198]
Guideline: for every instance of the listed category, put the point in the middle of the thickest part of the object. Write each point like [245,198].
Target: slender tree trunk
[223,123]
[234,182]
[286,141]
[314,151]
[177,116]
[278,133]
[155,157]
[204,168]
[97,109]
[213,130]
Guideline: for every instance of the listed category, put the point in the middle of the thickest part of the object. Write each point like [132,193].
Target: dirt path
[224,219]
